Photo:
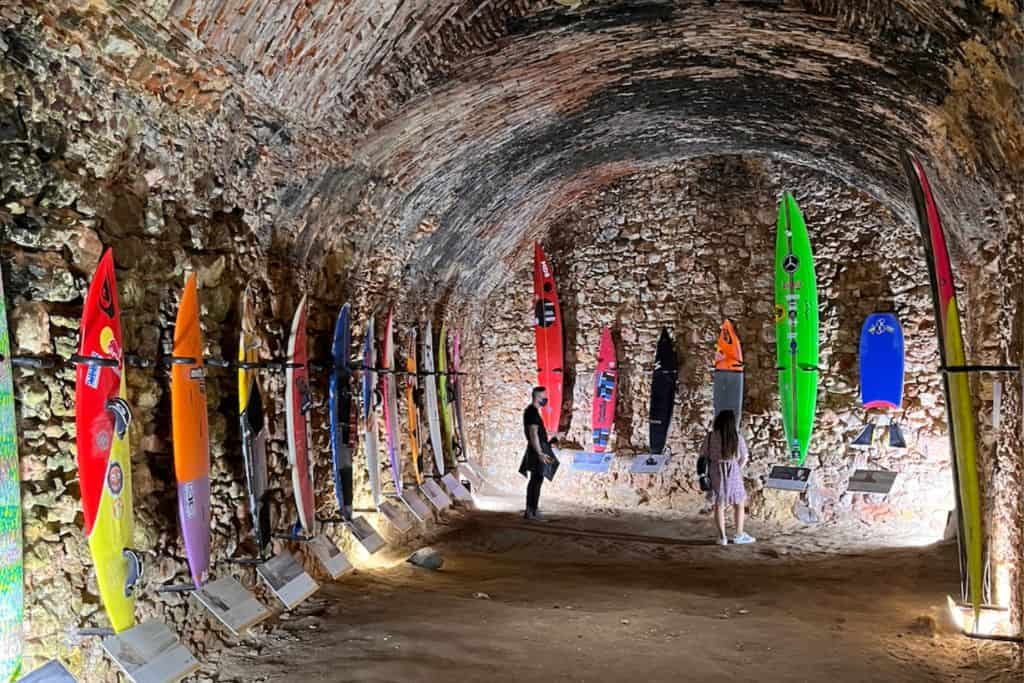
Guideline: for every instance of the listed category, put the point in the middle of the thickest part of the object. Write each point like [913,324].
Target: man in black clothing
[538,451]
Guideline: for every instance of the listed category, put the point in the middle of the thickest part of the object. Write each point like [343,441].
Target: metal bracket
[94,361]
[979,368]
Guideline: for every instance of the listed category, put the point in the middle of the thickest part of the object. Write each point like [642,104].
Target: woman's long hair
[725,427]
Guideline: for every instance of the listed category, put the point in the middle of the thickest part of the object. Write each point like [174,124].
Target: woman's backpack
[703,465]
[703,476]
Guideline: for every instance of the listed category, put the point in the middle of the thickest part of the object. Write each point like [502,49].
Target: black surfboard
[663,392]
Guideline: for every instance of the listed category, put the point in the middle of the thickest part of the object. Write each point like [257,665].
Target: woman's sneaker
[743,539]
[722,541]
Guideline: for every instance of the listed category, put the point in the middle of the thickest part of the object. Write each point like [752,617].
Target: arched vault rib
[487,154]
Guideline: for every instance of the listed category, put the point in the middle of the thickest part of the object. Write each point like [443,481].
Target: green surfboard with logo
[796,328]
[11,583]
[445,397]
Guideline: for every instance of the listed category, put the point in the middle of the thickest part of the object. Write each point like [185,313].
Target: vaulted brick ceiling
[485,117]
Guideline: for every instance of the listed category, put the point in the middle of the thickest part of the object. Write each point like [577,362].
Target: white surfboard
[433,418]
[392,432]
[369,395]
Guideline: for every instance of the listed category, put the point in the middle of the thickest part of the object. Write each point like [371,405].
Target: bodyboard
[881,362]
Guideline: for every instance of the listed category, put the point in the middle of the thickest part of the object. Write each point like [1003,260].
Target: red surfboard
[97,385]
[547,331]
[606,380]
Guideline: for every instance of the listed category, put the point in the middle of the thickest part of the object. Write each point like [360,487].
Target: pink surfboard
[298,404]
[606,380]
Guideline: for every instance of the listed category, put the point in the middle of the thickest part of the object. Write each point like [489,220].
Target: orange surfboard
[728,354]
[727,378]
[190,430]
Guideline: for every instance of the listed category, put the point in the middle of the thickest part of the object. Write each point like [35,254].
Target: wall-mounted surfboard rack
[51,672]
[979,368]
[435,494]
[231,604]
[51,361]
[150,653]
[365,534]
[787,478]
[331,558]
[649,463]
[287,580]
[456,489]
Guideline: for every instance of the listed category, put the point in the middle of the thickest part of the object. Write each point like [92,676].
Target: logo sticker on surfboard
[92,375]
[305,400]
[190,500]
[115,479]
[102,440]
[881,327]
[106,301]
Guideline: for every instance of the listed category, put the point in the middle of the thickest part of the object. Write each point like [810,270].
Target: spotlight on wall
[992,623]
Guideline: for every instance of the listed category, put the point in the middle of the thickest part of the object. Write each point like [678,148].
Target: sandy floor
[599,596]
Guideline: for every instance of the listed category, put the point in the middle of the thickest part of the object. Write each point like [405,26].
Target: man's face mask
[543,401]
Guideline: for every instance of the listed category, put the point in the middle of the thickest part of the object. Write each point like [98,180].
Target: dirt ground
[607,596]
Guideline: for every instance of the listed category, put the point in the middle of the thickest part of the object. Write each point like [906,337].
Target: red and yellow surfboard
[958,391]
[104,459]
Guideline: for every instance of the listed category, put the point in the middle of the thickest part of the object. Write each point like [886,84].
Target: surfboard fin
[896,439]
[122,415]
[866,436]
[134,573]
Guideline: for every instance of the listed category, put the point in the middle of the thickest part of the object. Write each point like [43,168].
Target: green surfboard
[796,328]
[444,397]
[11,584]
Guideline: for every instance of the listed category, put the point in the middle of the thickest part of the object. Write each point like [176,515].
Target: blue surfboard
[340,404]
[881,362]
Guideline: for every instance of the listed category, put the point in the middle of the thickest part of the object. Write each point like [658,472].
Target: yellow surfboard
[113,532]
[410,402]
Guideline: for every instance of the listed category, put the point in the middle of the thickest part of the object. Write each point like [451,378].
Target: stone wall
[685,247]
[87,163]
[45,307]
